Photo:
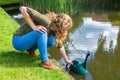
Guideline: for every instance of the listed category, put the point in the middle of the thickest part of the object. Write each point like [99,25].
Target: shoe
[48,65]
[32,53]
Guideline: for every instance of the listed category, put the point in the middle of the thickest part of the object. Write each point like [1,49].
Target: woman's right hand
[40,29]
[69,62]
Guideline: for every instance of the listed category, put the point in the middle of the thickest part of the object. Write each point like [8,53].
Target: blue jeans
[34,40]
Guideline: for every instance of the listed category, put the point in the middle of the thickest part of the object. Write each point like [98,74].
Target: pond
[97,32]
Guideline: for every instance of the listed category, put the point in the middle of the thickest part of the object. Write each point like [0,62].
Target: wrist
[35,28]
[66,60]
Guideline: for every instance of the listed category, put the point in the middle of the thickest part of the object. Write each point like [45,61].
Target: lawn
[16,65]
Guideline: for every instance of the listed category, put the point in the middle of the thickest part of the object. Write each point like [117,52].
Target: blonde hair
[60,23]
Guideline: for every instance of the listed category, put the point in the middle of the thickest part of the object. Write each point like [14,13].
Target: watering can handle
[67,68]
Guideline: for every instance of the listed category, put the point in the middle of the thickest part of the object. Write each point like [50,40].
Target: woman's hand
[40,29]
[69,62]
[63,53]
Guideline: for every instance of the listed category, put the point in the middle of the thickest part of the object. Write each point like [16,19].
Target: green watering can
[78,67]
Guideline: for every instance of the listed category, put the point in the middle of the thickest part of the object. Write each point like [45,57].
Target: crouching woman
[41,31]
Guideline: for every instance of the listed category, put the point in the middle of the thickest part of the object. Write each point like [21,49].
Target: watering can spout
[86,59]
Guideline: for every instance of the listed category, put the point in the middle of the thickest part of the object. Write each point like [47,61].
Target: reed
[70,6]
[50,5]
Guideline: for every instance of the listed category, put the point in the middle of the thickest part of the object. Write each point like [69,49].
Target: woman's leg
[30,40]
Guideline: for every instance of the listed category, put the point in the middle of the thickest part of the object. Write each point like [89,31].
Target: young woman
[41,32]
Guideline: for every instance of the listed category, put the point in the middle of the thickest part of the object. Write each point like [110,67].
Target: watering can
[78,67]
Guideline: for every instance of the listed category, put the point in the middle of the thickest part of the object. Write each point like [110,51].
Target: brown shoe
[48,65]
[32,53]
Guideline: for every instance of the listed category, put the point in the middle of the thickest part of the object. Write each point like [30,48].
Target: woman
[41,32]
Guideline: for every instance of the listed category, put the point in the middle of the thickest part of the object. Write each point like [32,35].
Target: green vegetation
[114,17]
[71,6]
[50,5]
[16,65]
[2,2]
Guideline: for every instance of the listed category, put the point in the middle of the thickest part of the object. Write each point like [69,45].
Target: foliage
[71,6]
[51,5]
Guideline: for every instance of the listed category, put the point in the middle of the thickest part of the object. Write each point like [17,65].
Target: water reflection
[18,16]
[87,37]
[105,65]
[98,38]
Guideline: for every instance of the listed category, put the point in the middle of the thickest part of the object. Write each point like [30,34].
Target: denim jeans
[34,40]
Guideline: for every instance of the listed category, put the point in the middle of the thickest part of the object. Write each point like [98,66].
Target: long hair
[60,23]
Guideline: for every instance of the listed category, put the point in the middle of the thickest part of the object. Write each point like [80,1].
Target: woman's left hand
[41,29]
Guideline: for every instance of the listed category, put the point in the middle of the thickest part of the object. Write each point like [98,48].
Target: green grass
[16,65]
[2,2]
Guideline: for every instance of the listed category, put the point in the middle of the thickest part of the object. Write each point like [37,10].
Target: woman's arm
[27,17]
[30,22]
[63,53]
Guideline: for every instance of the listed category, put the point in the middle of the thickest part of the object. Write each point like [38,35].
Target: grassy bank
[16,65]
[4,2]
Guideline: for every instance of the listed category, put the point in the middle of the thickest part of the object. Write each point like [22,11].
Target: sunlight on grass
[7,26]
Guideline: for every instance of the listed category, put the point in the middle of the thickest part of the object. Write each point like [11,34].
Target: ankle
[32,53]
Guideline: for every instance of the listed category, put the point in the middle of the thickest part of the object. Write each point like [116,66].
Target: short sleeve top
[38,19]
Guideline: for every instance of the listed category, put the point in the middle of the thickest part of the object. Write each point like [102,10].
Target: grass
[15,65]
[3,2]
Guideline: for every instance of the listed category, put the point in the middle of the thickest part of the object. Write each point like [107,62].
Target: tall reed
[51,5]
[70,6]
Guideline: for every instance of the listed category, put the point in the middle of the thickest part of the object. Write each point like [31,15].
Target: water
[95,33]
[100,38]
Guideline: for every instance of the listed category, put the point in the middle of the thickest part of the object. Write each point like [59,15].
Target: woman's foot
[48,65]
[32,53]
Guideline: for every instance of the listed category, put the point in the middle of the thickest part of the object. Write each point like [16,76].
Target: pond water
[97,33]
